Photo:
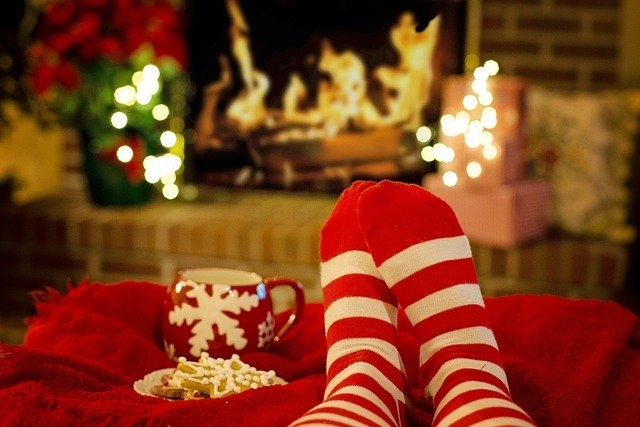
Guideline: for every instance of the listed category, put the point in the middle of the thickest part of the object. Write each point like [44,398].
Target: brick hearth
[59,239]
[65,238]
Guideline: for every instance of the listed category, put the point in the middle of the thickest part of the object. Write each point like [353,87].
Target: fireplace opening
[311,95]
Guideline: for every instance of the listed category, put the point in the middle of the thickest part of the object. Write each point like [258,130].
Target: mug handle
[297,310]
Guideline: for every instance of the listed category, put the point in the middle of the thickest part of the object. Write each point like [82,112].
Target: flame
[411,79]
[342,100]
[248,110]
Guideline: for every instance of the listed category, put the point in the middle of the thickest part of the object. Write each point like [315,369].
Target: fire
[343,100]
[411,79]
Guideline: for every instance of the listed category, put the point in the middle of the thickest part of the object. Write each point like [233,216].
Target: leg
[424,257]
[365,380]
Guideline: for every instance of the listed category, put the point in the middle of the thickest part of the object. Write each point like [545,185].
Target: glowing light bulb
[168,178]
[119,120]
[151,176]
[462,122]
[160,112]
[137,77]
[170,191]
[151,72]
[143,97]
[443,153]
[463,116]
[481,74]
[427,154]
[475,127]
[125,95]
[479,86]
[470,102]
[168,139]
[151,171]
[489,117]
[148,86]
[474,169]
[472,140]
[490,152]
[492,67]
[149,162]
[172,162]
[450,178]
[486,138]
[448,125]
[424,134]
[485,98]
[124,153]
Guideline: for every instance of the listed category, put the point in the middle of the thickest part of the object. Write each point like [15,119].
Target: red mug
[224,311]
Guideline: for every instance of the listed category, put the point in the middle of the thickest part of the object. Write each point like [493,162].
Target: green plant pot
[108,184]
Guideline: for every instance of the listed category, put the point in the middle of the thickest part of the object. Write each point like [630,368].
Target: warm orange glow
[342,99]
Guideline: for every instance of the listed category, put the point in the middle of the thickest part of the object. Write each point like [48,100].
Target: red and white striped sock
[365,378]
[425,258]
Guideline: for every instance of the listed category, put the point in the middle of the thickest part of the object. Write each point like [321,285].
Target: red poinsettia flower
[57,14]
[156,24]
[97,4]
[43,77]
[87,30]
[111,47]
[67,75]
[83,51]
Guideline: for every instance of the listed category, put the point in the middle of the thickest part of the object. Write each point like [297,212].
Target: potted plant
[115,70]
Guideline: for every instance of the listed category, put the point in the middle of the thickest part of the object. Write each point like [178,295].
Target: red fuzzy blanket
[569,363]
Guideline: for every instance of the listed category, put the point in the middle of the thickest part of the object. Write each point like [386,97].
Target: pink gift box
[509,100]
[508,166]
[502,216]
[508,135]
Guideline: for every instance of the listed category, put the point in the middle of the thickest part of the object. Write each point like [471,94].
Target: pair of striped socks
[388,245]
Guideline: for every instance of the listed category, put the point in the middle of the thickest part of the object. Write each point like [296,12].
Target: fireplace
[311,95]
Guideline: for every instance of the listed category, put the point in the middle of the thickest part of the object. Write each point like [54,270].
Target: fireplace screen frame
[327,164]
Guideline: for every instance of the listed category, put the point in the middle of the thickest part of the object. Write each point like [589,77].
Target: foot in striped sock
[424,257]
[365,379]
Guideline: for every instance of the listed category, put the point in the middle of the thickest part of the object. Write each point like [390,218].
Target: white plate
[144,385]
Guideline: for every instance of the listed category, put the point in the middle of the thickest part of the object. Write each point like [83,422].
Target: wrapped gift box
[509,100]
[501,216]
[507,167]
[509,137]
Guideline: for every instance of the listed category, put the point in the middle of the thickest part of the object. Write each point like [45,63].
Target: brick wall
[572,44]
[66,238]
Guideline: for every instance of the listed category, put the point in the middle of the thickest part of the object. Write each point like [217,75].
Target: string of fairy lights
[163,169]
[474,122]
